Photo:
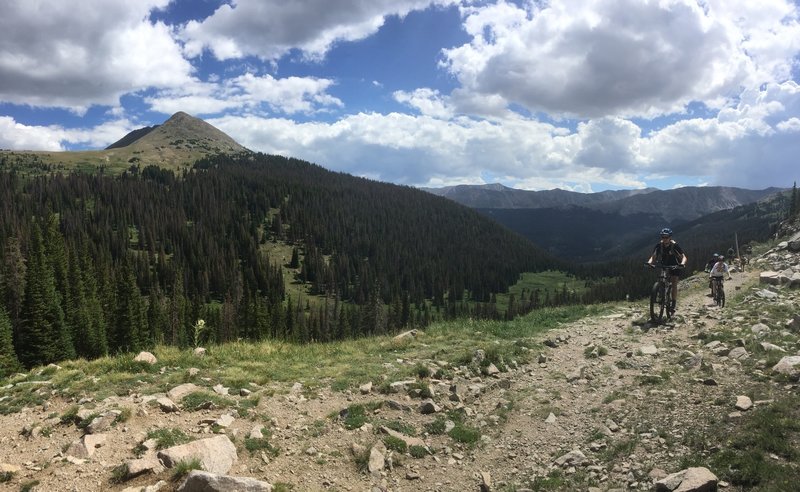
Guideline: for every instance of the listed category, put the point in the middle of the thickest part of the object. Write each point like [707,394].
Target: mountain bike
[661,294]
[719,291]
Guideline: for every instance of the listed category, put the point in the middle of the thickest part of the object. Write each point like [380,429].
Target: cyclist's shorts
[676,272]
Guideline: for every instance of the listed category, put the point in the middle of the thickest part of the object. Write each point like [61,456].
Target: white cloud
[290,95]
[624,58]
[269,29]
[16,136]
[427,101]
[77,54]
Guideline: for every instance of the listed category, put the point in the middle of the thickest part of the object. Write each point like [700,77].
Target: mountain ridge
[175,144]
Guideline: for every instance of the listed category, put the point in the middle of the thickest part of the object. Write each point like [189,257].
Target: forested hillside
[95,264]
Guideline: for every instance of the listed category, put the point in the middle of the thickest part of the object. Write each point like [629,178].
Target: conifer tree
[96,331]
[57,257]
[128,329]
[12,282]
[8,357]
[794,204]
[44,336]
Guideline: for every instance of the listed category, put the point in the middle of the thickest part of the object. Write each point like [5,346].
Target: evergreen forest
[94,264]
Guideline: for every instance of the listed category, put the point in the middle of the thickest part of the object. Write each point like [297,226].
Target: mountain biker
[669,253]
[707,269]
[719,270]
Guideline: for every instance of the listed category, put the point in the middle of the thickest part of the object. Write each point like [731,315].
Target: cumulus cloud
[78,54]
[269,29]
[739,147]
[290,95]
[54,138]
[627,58]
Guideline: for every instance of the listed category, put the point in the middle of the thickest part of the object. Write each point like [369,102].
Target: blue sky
[584,95]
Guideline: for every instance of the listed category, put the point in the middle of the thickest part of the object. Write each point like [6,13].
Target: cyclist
[719,270]
[668,252]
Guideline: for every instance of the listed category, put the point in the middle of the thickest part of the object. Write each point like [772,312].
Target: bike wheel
[668,301]
[657,302]
[721,302]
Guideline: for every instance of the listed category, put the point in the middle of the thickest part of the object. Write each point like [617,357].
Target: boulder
[146,357]
[690,480]
[201,481]
[216,454]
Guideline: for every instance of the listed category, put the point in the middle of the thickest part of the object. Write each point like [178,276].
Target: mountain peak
[180,131]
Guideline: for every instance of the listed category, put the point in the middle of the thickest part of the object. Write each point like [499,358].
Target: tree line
[94,264]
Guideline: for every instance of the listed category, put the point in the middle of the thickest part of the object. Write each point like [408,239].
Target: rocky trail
[610,403]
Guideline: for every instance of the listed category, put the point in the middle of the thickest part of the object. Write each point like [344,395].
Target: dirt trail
[625,407]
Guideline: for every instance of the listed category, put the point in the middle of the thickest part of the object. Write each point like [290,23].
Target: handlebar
[665,267]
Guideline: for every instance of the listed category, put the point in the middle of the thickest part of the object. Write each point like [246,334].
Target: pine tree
[128,328]
[8,357]
[44,336]
[794,205]
[12,282]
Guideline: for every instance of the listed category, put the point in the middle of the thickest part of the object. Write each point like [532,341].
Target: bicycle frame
[661,294]
[719,291]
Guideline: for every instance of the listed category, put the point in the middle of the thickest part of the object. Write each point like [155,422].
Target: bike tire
[657,302]
[721,296]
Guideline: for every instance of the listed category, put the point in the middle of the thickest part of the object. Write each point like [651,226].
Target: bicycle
[719,291]
[661,294]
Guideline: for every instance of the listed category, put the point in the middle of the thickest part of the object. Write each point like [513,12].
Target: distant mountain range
[601,226]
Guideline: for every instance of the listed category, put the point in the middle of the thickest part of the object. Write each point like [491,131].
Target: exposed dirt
[623,395]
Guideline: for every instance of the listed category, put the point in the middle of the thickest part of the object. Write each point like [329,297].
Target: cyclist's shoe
[672,307]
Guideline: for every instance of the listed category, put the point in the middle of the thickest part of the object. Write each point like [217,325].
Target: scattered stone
[738,353]
[201,481]
[486,481]
[167,405]
[178,392]
[427,407]
[377,461]
[102,422]
[788,366]
[199,352]
[649,350]
[216,454]
[148,488]
[148,464]
[573,458]
[408,335]
[146,357]
[366,388]
[86,445]
[690,480]
[743,403]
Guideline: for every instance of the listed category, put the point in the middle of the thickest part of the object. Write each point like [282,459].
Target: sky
[582,95]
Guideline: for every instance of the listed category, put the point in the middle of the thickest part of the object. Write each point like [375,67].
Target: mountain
[678,204]
[686,203]
[596,227]
[175,144]
[498,196]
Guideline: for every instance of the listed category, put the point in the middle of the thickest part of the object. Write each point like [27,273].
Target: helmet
[715,255]
[666,231]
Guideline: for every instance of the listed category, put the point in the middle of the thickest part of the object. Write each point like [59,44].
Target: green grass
[182,468]
[200,399]
[551,280]
[257,444]
[748,457]
[165,438]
